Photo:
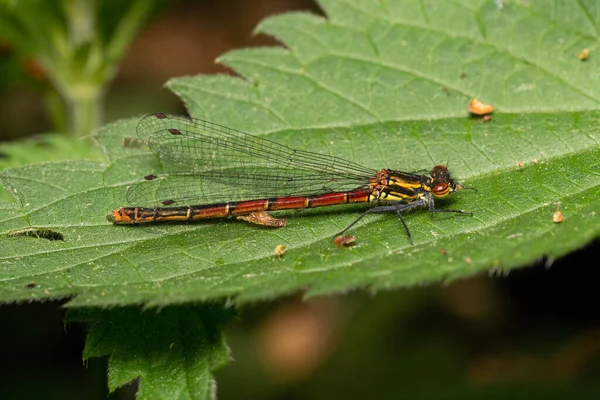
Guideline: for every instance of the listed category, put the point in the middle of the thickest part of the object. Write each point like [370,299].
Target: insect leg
[432,208]
[397,208]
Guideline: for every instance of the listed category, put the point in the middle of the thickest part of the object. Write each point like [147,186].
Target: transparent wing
[210,163]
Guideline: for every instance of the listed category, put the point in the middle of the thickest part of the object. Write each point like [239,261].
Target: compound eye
[441,189]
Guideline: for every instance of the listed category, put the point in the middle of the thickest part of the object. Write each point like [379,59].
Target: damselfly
[225,172]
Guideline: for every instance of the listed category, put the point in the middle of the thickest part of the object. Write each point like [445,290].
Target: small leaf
[173,352]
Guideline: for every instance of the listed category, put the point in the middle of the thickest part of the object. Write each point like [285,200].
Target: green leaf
[366,85]
[49,147]
[172,352]
[385,84]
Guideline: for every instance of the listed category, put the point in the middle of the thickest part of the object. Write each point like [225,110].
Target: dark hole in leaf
[30,285]
[39,233]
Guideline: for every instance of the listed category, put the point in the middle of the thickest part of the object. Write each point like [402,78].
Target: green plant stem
[84,109]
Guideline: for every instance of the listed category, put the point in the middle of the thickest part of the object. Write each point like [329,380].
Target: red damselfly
[225,172]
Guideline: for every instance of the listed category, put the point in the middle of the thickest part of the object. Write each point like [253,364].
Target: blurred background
[195,33]
[534,333]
